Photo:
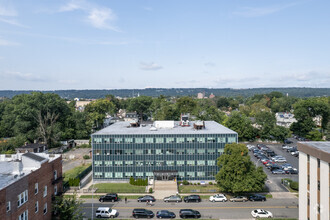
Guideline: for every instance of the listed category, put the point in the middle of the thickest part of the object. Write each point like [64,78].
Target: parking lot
[274,180]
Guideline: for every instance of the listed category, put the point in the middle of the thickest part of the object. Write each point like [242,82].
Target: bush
[150,190]
[185,182]
[86,157]
[74,181]
[198,183]
[294,185]
[195,184]
[210,183]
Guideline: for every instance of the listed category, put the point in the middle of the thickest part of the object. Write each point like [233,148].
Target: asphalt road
[280,208]
[274,180]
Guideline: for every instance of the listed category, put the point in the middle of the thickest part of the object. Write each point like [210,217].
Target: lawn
[119,188]
[73,173]
[198,189]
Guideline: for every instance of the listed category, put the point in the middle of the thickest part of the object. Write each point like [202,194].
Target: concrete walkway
[283,195]
[165,188]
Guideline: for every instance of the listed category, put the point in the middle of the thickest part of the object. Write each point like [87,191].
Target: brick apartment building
[28,184]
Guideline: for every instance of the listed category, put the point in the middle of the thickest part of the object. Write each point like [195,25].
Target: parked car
[291,149]
[218,198]
[192,198]
[142,213]
[291,171]
[270,153]
[269,163]
[295,153]
[286,166]
[257,197]
[239,199]
[284,146]
[189,213]
[146,198]
[261,213]
[173,198]
[165,214]
[286,141]
[110,197]
[274,167]
[280,160]
[278,171]
[105,212]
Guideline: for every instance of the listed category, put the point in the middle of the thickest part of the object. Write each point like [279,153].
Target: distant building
[131,116]
[28,184]
[200,95]
[314,163]
[285,119]
[211,96]
[32,148]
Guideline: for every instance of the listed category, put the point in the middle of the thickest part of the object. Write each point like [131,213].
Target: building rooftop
[320,145]
[318,149]
[211,127]
[13,167]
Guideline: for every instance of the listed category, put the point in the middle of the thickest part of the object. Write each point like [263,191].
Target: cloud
[209,64]
[22,76]
[261,11]
[97,16]
[13,22]
[150,66]
[4,42]
[9,11]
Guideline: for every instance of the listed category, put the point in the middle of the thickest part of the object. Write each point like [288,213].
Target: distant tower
[211,96]
[287,94]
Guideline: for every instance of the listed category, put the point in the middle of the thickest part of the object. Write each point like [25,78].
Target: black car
[286,141]
[257,197]
[110,197]
[146,198]
[192,198]
[270,153]
[142,213]
[165,214]
[274,167]
[189,213]
[291,171]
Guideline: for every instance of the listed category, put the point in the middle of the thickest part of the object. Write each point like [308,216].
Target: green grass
[73,173]
[118,188]
[198,189]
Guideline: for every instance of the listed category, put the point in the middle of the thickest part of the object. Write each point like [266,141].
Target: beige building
[314,162]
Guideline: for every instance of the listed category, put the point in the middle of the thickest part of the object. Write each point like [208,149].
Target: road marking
[161,208]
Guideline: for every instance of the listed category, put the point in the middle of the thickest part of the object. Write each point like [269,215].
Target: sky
[125,44]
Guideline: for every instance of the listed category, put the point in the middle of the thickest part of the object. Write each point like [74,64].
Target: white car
[105,212]
[261,213]
[280,160]
[218,198]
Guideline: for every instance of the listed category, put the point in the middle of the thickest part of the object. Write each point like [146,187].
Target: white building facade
[314,162]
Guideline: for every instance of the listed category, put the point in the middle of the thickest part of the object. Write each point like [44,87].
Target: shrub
[131,180]
[185,182]
[195,184]
[74,181]
[86,157]
[198,183]
[294,185]
[150,190]
[210,183]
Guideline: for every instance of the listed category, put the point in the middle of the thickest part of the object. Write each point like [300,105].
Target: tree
[223,102]
[212,114]
[186,104]
[141,105]
[314,135]
[279,133]
[237,173]
[68,208]
[97,110]
[267,122]
[242,125]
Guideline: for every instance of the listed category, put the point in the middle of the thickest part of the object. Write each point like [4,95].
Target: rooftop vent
[153,129]
[199,125]
[134,123]
[184,120]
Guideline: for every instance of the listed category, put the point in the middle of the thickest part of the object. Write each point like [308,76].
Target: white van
[106,212]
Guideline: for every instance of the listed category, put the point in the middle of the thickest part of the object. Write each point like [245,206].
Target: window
[118,152]
[190,174]
[180,151]
[139,174]
[159,163]
[118,163]
[22,198]
[35,188]
[201,151]
[139,152]
[180,163]
[55,174]
[106,140]
[108,163]
[129,152]
[181,174]
[45,208]
[169,152]
[97,163]
[190,140]
[169,140]
[97,140]
[8,206]
[129,140]
[318,163]
[211,151]
[118,140]
[308,158]
[201,140]
[221,140]
[107,175]
[231,139]
[139,140]
[170,163]
[200,174]
[149,140]
[179,140]
[129,163]
[107,152]
[200,163]
[97,152]
[45,191]
[23,216]
[98,174]
[220,151]
[211,163]
[128,174]
[159,151]
[55,190]
[159,140]
[210,140]
[190,151]
[149,163]
[190,162]
[149,174]
[118,175]
[139,163]
[149,151]
[36,207]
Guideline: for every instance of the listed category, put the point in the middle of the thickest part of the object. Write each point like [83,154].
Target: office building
[314,162]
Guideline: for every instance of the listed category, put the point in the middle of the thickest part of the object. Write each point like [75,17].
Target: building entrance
[165,174]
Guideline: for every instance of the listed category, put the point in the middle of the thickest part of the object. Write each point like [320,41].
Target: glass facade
[193,156]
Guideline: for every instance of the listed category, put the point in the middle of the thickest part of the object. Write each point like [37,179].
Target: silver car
[173,198]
